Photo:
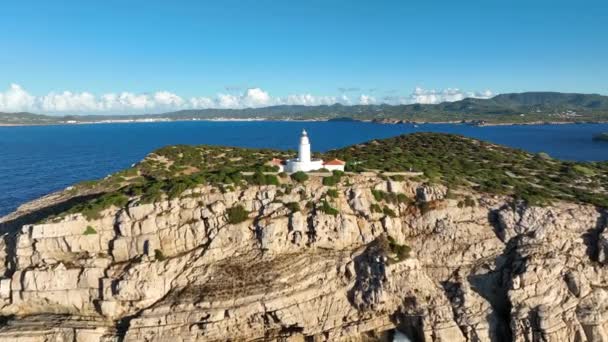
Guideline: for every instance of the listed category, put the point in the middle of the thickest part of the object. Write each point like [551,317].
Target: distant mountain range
[514,107]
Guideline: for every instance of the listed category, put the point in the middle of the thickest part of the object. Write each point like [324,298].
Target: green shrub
[293,206]
[402,251]
[259,178]
[333,179]
[375,208]
[389,212]
[330,181]
[299,177]
[288,188]
[92,209]
[469,201]
[582,170]
[402,198]
[378,195]
[158,255]
[328,209]
[333,193]
[390,197]
[237,214]
[397,178]
[338,173]
[283,174]
[89,231]
[176,188]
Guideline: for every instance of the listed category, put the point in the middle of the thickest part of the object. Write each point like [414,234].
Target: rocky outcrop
[429,266]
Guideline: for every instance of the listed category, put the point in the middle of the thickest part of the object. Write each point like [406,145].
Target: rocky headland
[179,249]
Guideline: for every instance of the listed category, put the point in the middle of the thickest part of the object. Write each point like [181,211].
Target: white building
[304,162]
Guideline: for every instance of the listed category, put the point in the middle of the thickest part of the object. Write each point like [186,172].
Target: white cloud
[366,99]
[201,102]
[256,97]
[68,101]
[420,95]
[307,100]
[166,98]
[15,99]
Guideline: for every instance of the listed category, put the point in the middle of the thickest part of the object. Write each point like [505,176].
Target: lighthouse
[304,161]
[304,150]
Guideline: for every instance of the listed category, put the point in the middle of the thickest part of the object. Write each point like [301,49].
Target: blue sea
[37,160]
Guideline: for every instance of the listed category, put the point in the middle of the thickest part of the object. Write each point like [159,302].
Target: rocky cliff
[309,264]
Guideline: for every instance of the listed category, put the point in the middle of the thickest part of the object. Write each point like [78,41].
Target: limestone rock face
[436,270]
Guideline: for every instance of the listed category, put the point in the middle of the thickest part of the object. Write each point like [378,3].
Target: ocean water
[37,160]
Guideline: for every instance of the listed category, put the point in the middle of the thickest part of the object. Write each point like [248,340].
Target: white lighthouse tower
[304,149]
[303,162]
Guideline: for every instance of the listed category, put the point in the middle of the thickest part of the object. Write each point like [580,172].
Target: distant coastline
[376,121]
[529,108]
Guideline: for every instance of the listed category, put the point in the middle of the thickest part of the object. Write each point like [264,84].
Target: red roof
[334,162]
[277,161]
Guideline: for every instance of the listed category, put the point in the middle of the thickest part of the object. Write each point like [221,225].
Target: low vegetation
[468,201]
[456,161]
[237,214]
[390,197]
[461,162]
[299,177]
[388,212]
[401,252]
[333,179]
[326,208]
[394,251]
[333,193]
[293,206]
[92,209]
[260,178]
[159,255]
[89,231]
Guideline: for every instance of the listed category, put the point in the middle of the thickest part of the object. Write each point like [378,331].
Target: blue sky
[376,51]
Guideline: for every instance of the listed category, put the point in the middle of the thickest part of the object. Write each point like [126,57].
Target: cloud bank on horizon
[17,99]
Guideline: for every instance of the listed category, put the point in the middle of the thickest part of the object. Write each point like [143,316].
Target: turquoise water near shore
[37,160]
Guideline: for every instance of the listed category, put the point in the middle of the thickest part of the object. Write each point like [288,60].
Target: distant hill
[507,108]
[27,118]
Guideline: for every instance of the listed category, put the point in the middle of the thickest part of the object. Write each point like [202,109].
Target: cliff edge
[327,257]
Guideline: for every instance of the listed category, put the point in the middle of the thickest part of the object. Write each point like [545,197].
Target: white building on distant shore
[304,162]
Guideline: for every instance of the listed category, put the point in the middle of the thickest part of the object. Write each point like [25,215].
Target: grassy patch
[388,212]
[389,197]
[333,179]
[237,214]
[328,209]
[259,178]
[92,209]
[299,177]
[158,255]
[468,201]
[375,208]
[333,193]
[402,252]
[461,162]
[89,231]
[293,206]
